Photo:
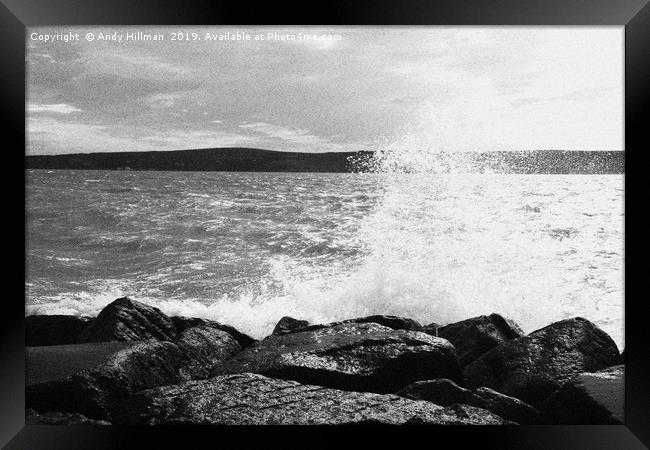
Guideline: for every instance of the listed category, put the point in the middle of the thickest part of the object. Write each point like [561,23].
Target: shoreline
[261,160]
[470,371]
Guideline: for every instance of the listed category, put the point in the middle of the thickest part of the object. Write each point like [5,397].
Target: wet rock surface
[95,392]
[476,336]
[509,408]
[136,365]
[251,399]
[289,325]
[128,320]
[394,322]
[590,398]
[182,323]
[445,393]
[441,392]
[532,367]
[349,356]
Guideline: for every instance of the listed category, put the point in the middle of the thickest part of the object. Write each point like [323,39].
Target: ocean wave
[437,248]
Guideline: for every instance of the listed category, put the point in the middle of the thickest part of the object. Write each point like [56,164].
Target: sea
[248,248]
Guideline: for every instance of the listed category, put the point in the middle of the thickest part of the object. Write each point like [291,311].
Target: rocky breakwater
[133,364]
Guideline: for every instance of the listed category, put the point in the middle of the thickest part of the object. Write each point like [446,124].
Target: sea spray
[247,249]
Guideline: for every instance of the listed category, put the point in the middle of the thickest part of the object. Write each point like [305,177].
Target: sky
[358,88]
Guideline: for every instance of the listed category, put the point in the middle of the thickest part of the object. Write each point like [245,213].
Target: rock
[432,329]
[532,367]
[442,392]
[445,393]
[289,325]
[53,329]
[96,392]
[591,398]
[473,337]
[128,320]
[251,399]
[507,407]
[349,356]
[206,348]
[181,323]
[57,418]
[394,322]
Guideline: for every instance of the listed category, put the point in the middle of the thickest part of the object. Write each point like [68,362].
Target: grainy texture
[350,356]
[442,392]
[182,323]
[473,337]
[96,392]
[394,322]
[533,367]
[509,408]
[127,320]
[446,392]
[250,399]
[291,325]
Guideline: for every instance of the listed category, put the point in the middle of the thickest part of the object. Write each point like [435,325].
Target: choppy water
[249,248]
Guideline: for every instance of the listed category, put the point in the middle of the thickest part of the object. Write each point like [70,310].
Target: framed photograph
[267,221]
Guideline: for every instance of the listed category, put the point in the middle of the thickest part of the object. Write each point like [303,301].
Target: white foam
[436,248]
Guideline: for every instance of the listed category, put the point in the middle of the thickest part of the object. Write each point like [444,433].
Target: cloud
[47,135]
[462,88]
[176,139]
[296,139]
[295,135]
[58,108]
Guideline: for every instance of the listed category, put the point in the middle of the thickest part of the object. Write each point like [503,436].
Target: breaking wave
[417,236]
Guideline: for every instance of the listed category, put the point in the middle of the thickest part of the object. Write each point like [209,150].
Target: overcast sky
[457,89]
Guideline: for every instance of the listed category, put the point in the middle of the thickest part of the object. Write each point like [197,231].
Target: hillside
[257,160]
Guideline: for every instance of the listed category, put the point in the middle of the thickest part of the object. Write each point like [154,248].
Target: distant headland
[258,160]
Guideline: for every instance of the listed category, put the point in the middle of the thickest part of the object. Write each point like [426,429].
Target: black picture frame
[16,15]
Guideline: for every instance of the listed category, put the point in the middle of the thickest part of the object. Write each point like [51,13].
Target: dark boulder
[206,348]
[532,367]
[507,407]
[96,391]
[473,337]
[289,325]
[128,320]
[596,398]
[445,393]
[349,356]
[53,329]
[182,323]
[57,418]
[442,392]
[251,399]
[394,322]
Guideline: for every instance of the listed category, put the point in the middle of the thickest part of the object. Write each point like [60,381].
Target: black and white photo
[256,225]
